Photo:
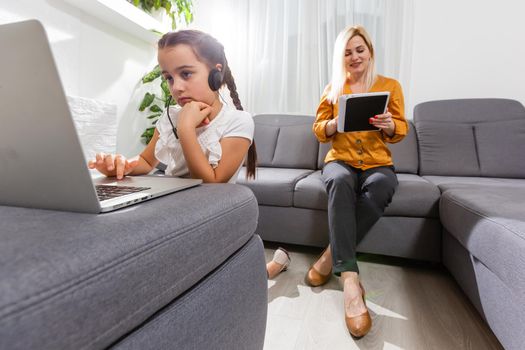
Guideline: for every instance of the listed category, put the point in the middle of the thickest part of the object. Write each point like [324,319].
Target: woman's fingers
[381,120]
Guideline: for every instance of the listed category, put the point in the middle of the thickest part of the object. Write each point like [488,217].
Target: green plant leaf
[167,6]
[146,101]
[154,74]
[155,108]
[165,89]
[147,135]
[154,115]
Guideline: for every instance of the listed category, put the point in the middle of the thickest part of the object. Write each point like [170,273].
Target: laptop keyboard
[110,191]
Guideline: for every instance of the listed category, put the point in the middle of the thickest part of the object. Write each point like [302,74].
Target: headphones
[215,79]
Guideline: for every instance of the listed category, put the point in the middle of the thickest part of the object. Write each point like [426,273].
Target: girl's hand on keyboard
[113,164]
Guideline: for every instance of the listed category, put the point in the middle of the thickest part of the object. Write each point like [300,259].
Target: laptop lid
[41,160]
[40,153]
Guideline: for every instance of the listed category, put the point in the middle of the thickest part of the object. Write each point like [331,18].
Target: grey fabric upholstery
[407,237]
[491,229]
[443,182]
[500,306]
[285,141]
[273,186]
[405,153]
[242,310]
[471,137]
[414,197]
[485,243]
[73,280]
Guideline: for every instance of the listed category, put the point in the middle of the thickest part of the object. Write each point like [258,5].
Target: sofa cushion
[273,186]
[285,141]
[310,192]
[447,149]
[501,148]
[119,268]
[414,197]
[471,137]
[225,310]
[446,182]
[489,221]
[405,153]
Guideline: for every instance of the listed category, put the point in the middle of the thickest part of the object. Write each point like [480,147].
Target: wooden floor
[413,306]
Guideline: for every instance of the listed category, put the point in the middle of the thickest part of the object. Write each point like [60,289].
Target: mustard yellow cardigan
[366,149]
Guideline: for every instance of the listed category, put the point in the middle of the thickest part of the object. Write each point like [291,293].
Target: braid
[230,82]
[251,161]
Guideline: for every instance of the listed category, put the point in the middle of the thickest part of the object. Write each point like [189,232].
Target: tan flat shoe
[360,325]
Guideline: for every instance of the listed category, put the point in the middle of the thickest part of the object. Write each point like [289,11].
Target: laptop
[42,164]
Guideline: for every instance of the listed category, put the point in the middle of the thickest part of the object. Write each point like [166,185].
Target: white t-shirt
[228,123]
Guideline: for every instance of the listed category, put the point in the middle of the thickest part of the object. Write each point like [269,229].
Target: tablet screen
[355,110]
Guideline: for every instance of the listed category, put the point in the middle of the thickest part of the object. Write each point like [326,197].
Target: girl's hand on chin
[193,115]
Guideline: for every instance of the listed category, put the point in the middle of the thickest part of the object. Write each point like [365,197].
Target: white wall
[468,49]
[462,49]
[95,60]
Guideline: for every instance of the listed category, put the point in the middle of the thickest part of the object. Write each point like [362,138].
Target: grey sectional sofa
[460,200]
[184,271]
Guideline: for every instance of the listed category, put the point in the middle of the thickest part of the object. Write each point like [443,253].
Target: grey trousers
[356,200]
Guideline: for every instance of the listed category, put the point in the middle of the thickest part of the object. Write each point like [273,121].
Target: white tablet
[355,110]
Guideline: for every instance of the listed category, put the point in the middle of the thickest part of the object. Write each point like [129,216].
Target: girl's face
[187,77]
[357,56]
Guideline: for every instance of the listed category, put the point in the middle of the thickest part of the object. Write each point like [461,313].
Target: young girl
[203,138]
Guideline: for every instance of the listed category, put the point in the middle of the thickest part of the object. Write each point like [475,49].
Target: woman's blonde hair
[339,73]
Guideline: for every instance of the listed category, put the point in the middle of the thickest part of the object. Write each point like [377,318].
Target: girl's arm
[234,150]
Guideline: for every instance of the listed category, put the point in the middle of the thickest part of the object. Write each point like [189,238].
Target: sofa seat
[274,186]
[72,280]
[489,222]
[446,182]
[414,197]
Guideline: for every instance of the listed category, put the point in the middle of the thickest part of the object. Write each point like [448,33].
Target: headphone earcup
[215,79]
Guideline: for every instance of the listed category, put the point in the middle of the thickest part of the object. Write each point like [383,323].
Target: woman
[358,173]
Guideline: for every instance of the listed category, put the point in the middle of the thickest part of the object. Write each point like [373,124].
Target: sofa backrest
[471,137]
[285,141]
[404,153]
